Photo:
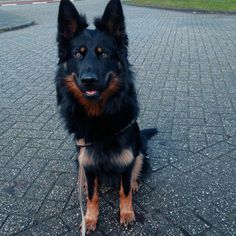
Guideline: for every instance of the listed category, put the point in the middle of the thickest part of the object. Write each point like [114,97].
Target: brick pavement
[12,21]
[186,81]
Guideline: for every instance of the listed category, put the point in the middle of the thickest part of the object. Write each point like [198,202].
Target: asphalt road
[186,82]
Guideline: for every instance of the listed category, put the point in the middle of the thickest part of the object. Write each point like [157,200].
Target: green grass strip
[206,5]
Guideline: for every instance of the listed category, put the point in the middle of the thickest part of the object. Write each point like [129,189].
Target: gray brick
[2,219]
[217,218]
[8,174]
[55,154]
[38,192]
[45,143]
[60,193]
[22,158]
[4,160]
[73,201]
[32,170]
[47,178]
[189,222]
[10,205]
[61,166]
[34,134]
[191,162]
[50,209]
[217,150]
[14,188]
[67,179]
[54,226]
[15,224]
[14,147]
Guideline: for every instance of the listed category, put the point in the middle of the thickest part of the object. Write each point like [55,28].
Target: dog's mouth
[91,93]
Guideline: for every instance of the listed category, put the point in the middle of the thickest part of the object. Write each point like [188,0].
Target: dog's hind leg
[136,171]
[127,215]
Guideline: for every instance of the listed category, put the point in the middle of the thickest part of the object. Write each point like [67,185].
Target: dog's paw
[135,186]
[127,217]
[90,223]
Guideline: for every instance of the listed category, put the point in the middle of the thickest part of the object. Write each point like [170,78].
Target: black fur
[95,58]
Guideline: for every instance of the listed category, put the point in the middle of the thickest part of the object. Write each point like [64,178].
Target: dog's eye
[101,53]
[78,55]
[104,55]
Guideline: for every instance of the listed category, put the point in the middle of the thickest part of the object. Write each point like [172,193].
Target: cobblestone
[186,70]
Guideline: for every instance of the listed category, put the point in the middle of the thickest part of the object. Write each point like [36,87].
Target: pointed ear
[69,20]
[113,22]
[70,23]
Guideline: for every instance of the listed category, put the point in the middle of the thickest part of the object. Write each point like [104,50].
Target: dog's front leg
[127,215]
[91,216]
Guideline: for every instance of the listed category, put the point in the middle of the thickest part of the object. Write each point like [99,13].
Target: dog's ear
[113,22]
[70,23]
[69,20]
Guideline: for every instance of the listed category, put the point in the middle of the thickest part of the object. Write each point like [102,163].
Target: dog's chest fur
[91,157]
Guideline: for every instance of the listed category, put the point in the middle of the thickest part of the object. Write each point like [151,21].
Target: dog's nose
[89,78]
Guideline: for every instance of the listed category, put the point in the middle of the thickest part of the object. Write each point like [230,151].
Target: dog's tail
[146,134]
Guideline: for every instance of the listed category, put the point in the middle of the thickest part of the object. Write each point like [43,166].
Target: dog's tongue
[91,92]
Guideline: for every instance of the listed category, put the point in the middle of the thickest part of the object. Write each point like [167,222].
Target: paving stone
[67,179]
[14,189]
[55,154]
[223,221]
[32,170]
[14,147]
[47,178]
[73,201]
[2,219]
[50,209]
[45,143]
[232,140]
[61,166]
[8,174]
[217,150]
[72,218]
[10,205]
[60,193]
[53,226]
[38,191]
[15,224]
[213,232]
[191,162]
[34,134]
[221,166]
[22,158]
[188,221]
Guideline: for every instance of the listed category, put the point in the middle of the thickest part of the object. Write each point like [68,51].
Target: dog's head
[92,59]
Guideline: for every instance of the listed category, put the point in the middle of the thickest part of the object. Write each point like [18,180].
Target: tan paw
[127,218]
[135,186]
[91,224]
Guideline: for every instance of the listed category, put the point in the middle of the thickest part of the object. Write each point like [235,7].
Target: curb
[9,21]
[17,27]
[33,2]
[183,9]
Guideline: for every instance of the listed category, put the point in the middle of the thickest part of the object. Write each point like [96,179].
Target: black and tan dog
[98,101]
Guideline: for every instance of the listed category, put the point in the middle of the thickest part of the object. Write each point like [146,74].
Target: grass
[207,5]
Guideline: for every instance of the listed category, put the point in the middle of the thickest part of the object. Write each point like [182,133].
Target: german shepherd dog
[97,98]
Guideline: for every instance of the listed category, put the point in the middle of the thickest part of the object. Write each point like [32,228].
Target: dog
[98,101]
